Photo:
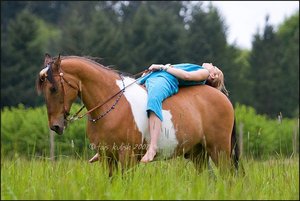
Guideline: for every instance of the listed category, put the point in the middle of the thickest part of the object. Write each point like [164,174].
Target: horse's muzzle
[58,125]
[57,129]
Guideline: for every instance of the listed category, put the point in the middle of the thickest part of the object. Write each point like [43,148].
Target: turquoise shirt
[161,85]
[189,68]
[172,79]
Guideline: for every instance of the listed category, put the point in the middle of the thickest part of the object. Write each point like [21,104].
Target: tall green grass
[174,179]
[25,131]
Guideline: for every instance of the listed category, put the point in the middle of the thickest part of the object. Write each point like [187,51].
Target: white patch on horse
[137,98]
[44,71]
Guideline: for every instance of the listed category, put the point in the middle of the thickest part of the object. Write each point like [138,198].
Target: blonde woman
[163,81]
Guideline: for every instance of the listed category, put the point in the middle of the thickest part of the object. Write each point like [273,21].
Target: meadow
[270,157]
[66,178]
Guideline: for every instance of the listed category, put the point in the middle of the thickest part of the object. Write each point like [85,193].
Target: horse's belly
[137,98]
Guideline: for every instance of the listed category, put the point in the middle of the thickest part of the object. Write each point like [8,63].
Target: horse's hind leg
[220,155]
[199,157]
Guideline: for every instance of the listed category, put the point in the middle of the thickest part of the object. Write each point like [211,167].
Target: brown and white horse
[198,121]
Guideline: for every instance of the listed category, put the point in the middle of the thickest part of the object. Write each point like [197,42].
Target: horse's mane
[94,60]
[97,61]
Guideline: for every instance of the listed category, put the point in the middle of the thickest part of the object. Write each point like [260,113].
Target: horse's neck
[97,84]
[98,88]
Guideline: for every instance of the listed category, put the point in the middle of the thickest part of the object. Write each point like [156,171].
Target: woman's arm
[199,75]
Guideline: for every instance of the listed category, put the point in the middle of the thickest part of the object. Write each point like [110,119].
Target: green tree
[72,41]
[102,36]
[266,72]
[49,11]
[9,10]
[206,38]
[288,34]
[166,33]
[137,38]
[150,32]
[20,61]
[205,41]
[236,69]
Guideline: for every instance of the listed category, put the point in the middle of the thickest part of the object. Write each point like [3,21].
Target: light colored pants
[159,88]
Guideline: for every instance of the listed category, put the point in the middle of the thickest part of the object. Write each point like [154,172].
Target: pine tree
[21,60]
[288,34]
[266,72]
[101,35]
[206,39]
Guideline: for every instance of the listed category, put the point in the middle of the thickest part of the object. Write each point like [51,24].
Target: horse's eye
[53,89]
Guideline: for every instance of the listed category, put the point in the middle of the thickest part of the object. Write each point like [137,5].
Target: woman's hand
[156,67]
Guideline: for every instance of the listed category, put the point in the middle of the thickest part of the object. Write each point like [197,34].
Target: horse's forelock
[43,72]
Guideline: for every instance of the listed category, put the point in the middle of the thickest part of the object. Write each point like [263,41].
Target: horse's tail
[235,151]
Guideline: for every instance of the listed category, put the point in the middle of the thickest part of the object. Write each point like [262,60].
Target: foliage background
[130,35]
[24,132]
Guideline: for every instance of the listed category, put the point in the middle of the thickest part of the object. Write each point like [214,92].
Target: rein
[76,116]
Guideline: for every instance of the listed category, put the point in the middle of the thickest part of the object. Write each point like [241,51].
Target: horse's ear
[47,59]
[56,65]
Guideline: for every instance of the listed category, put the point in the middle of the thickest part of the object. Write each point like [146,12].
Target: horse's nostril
[56,129]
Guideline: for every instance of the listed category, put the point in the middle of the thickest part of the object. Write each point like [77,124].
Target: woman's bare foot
[95,158]
[149,156]
[155,129]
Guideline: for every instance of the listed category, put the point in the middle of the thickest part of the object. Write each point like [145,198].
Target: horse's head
[58,93]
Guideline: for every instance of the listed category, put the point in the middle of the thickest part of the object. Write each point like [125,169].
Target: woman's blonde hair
[218,82]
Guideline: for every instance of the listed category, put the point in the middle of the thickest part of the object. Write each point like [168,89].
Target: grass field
[174,179]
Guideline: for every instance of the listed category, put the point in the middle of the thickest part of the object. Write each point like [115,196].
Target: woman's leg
[155,129]
[158,88]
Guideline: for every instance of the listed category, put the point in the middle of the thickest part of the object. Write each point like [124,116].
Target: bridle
[62,80]
[76,116]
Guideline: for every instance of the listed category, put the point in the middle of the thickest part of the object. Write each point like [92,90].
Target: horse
[198,121]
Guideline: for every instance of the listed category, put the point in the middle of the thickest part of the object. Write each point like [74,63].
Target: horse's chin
[61,130]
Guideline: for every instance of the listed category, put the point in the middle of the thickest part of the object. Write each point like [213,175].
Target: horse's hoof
[94,159]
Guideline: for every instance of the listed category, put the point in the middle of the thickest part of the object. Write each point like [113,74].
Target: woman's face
[208,66]
[213,71]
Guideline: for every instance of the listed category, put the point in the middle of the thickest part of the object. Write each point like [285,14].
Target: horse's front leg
[111,163]
[127,159]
